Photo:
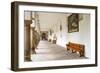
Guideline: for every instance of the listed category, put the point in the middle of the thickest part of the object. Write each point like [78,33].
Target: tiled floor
[48,51]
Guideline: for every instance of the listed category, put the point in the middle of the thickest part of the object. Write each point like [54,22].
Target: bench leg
[68,49]
[81,54]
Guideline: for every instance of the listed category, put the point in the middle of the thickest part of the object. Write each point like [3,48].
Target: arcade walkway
[47,51]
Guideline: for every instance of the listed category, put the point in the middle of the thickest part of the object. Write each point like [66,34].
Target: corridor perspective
[56,36]
[47,51]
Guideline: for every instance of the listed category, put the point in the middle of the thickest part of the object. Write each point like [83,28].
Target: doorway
[44,35]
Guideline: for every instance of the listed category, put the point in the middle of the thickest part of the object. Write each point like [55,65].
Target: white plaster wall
[62,35]
[85,34]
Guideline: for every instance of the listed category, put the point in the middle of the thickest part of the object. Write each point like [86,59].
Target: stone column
[27,44]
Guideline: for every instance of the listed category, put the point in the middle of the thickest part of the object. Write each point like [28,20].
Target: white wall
[85,34]
[62,35]
[5,39]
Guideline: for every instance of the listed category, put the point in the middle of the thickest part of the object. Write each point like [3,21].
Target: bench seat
[76,48]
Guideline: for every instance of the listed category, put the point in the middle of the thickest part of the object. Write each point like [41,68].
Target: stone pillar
[27,44]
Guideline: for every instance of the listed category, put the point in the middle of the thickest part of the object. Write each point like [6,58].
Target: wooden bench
[74,47]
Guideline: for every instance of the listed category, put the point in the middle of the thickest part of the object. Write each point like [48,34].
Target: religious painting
[73,23]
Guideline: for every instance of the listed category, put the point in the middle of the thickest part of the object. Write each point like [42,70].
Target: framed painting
[73,23]
[33,47]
